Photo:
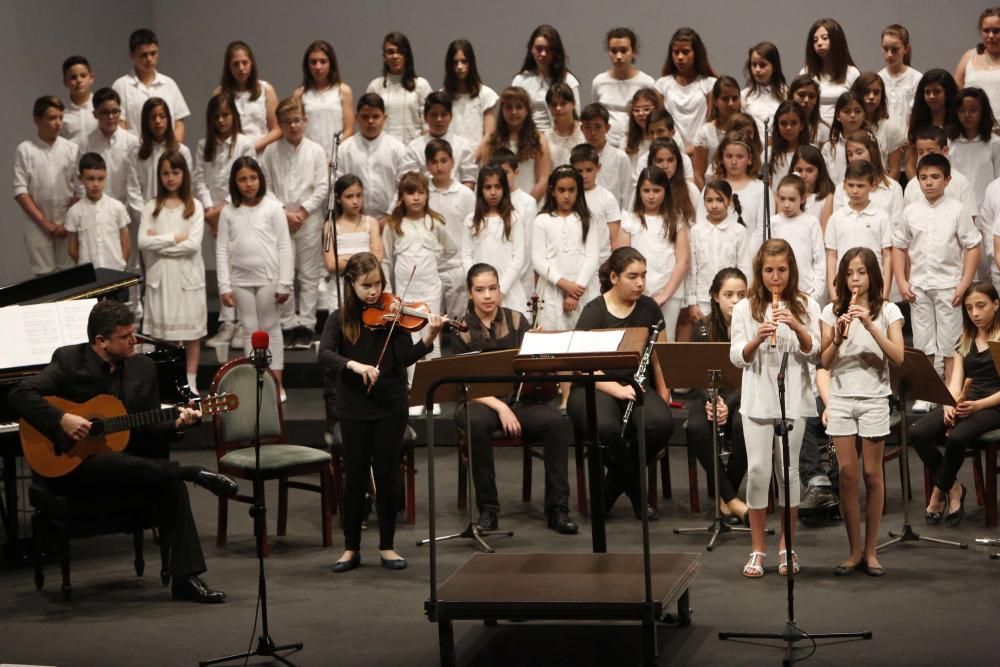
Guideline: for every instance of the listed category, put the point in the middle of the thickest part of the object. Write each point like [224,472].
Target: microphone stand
[791,634]
[265,644]
[765,176]
[330,242]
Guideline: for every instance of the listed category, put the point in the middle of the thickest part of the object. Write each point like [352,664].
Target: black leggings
[376,444]
[699,438]
[929,432]
[622,456]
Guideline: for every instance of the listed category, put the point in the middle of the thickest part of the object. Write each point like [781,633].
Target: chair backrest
[235,429]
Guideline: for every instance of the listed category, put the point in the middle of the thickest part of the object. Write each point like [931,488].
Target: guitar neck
[138,419]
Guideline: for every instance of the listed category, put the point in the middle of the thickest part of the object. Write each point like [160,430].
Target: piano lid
[79,282]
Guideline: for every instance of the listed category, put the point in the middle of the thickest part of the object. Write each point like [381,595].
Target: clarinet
[640,373]
[724,449]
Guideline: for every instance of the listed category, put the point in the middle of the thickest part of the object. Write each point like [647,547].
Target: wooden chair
[234,451]
[58,519]
[407,477]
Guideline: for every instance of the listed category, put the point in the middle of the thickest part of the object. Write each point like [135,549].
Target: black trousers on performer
[540,423]
[621,455]
[929,432]
[375,444]
[162,481]
[699,438]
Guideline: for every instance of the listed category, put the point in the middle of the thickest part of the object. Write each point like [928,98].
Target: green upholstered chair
[279,460]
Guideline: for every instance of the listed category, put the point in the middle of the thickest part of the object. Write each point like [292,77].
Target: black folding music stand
[483,363]
[703,366]
[916,379]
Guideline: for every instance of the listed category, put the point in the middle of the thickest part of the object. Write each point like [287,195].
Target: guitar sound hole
[96,427]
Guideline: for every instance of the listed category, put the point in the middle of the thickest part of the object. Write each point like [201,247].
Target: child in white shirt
[78,119]
[455,203]
[976,151]
[373,156]
[766,87]
[605,214]
[544,66]
[943,246]
[401,89]
[860,223]
[614,88]
[725,102]
[329,101]
[718,240]
[157,137]
[686,84]
[254,99]
[616,168]
[437,116]
[900,79]
[112,143]
[44,187]
[803,233]
[526,208]
[97,224]
[565,131]
[473,102]
[296,171]
[145,82]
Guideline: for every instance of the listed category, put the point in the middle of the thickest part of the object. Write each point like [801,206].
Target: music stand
[704,366]
[485,363]
[915,376]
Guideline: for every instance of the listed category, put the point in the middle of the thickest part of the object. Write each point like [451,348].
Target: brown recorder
[775,302]
[854,302]
[962,395]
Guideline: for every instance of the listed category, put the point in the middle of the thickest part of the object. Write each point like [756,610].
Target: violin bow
[392,327]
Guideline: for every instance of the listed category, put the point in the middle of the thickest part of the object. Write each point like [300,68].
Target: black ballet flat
[953,519]
[732,520]
[393,563]
[847,570]
[933,518]
[347,565]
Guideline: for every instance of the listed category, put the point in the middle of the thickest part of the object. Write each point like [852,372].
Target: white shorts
[936,323]
[867,417]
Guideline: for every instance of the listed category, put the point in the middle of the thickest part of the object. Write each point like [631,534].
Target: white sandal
[783,563]
[752,570]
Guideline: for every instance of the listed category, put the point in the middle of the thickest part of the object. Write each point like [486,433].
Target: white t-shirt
[537,87]
[134,94]
[603,209]
[616,173]
[404,108]
[454,204]
[656,247]
[467,113]
[848,229]
[899,93]
[805,235]
[861,369]
[687,104]
[616,96]
[760,106]
[97,225]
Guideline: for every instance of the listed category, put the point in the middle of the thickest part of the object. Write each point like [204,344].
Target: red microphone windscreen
[259,340]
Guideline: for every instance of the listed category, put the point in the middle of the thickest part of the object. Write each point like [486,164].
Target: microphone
[261,355]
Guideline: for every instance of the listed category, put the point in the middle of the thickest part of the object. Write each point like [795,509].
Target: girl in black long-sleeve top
[371,404]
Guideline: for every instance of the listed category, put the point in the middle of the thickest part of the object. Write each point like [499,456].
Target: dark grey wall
[193,35]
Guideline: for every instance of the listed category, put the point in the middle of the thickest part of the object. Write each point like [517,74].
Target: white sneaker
[237,342]
[922,406]
[224,336]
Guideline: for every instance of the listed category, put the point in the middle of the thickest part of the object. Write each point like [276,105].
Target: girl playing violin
[371,402]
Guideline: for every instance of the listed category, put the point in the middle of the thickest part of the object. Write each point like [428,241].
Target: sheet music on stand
[34,332]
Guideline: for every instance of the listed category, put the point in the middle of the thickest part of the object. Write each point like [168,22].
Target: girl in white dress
[356,232]
[401,89]
[980,66]
[616,87]
[565,132]
[156,138]
[494,234]
[170,234]
[254,259]
[725,102]
[766,87]
[329,101]
[900,79]
[829,62]
[789,130]
[870,88]
[473,113]
[563,252]
[414,242]
[804,91]
[516,131]
[686,83]
[808,163]
[255,99]
[545,64]
[652,228]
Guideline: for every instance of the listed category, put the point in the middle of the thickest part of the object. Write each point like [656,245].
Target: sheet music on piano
[34,332]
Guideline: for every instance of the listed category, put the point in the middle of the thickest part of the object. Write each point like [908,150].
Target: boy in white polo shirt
[78,119]
[454,202]
[859,224]
[373,156]
[97,224]
[943,245]
[616,167]
[144,81]
[437,117]
[45,187]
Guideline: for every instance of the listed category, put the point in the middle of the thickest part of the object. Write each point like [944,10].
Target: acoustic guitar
[109,430]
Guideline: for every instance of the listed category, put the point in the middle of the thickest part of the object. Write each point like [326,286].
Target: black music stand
[917,376]
[484,363]
[704,366]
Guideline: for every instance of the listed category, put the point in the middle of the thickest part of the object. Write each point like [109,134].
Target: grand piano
[79,282]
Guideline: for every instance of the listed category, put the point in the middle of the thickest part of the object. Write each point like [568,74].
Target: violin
[409,315]
[535,392]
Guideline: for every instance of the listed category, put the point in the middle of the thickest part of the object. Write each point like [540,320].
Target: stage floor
[936,606]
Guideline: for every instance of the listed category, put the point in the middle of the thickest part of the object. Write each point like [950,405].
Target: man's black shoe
[194,589]
[217,483]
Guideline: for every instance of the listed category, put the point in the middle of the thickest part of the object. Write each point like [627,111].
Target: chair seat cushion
[66,508]
[274,457]
[989,437]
